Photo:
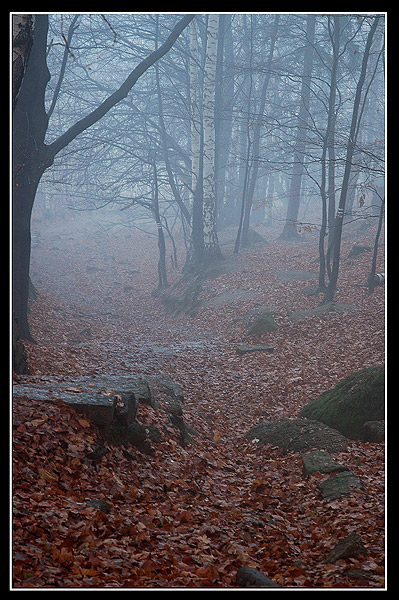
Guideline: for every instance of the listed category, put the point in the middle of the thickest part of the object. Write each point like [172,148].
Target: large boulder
[297,435]
[354,401]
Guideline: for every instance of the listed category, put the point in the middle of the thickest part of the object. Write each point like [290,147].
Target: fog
[193,132]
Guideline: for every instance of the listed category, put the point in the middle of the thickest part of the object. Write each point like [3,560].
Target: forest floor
[191,516]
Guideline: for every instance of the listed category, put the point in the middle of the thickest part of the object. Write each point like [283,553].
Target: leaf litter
[190,516]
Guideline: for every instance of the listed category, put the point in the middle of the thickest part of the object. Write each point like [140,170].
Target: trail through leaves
[189,516]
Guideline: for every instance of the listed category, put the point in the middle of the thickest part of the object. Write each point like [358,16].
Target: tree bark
[329,295]
[211,246]
[290,231]
[31,156]
[22,39]
[256,139]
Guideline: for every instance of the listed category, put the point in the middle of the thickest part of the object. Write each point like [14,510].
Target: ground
[191,516]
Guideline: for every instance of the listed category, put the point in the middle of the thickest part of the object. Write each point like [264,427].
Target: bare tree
[32,156]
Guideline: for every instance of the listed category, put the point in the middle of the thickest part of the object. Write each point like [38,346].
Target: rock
[297,435]
[358,250]
[328,309]
[320,461]
[263,323]
[102,505]
[136,434]
[349,547]
[97,407]
[248,577]
[109,399]
[374,431]
[243,349]
[350,404]
[341,484]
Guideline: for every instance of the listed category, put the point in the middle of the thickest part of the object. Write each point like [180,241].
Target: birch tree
[211,246]
[196,250]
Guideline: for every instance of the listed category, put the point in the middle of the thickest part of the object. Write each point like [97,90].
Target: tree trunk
[162,277]
[211,246]
[22,39]
[329,295]
[290,231]
[31,156]
[328,146]
[196,248]
[256,139]
[29,163]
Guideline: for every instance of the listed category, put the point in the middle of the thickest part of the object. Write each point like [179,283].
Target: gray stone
[374,431]
[249,577]
[243,349]
[320,461]
[263,323]
[102,505]
[297,435]
[98,407]
[341,484]
[328,309]
[349,547]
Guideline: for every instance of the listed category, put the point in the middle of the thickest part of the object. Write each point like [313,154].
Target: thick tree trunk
[29,163]
[31,156]
[22,39]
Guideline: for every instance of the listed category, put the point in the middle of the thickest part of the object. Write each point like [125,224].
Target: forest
[198,314]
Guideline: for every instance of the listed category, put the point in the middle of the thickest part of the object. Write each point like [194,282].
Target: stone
[263,323]
[320,461]
[243,349]
[358,250]
[356,399]
[97,407]
[102,505]
[297,435]
[349,547]
[374,431]
[136,434]
[341,484]
[328,309]
[249,577]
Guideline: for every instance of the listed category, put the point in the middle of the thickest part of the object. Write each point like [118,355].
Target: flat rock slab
[328,309]
[341,484]
[243,349]
[298,435]
[98,407]
[97,396]
[320,461]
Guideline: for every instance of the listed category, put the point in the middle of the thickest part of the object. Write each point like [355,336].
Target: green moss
[355,400]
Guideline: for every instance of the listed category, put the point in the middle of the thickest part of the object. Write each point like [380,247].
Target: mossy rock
[263,323]
[298,435]
[354,401]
